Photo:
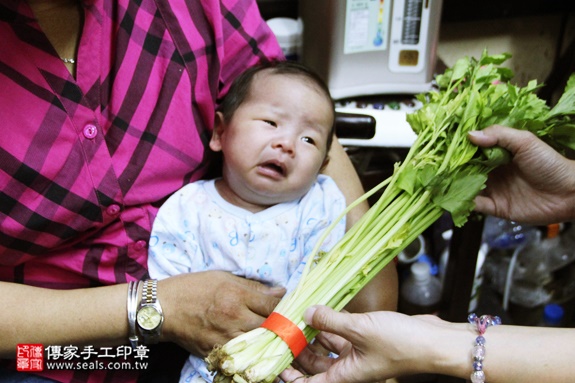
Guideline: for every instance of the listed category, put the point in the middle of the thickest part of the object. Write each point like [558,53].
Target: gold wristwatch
[150,316]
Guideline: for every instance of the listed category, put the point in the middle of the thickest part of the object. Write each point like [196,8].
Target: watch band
[150,291]
[133,288]
[149,317]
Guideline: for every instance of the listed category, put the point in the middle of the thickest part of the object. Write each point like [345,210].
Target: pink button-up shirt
[85,162]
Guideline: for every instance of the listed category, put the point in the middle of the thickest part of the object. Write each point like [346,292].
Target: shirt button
[141,244]
[90,131]
[113,209]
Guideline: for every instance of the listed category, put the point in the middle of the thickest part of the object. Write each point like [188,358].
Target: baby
[263,217]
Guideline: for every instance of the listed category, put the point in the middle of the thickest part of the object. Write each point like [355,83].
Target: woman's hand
[537,187]
[372,347]
[208,308]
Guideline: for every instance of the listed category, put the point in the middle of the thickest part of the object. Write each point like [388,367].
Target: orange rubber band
[287,331]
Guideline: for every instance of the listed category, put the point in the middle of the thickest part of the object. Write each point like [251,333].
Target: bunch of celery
[442,172]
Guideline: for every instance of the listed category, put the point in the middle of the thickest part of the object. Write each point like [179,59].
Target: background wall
[535,32]
[531,40]
[539,44]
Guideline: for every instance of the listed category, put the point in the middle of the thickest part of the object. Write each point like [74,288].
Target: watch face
[149,318]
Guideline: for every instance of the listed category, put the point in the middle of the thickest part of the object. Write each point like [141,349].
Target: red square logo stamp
[29,357]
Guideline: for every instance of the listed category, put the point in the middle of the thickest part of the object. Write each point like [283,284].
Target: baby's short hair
[240,88]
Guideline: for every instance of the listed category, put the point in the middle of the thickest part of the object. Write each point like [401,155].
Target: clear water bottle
[420,293]
[560,240]
[528,284]
[499,233]
[503,238]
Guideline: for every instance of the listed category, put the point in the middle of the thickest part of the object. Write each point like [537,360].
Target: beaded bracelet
[478,353]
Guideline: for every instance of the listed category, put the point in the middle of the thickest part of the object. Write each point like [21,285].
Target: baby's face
[275,144]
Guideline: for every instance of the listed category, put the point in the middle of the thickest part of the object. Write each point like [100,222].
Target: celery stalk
[442,172]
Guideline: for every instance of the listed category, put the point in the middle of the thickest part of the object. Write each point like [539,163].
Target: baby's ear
[215,141]
[325,162]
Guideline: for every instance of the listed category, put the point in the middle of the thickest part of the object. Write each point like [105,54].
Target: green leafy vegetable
[443,171]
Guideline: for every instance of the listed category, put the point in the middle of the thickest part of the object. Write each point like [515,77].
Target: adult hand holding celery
[442,172]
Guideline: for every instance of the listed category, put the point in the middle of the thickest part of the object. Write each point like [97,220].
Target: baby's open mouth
[274,166]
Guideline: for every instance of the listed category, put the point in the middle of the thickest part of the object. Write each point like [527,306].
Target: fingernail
[276,291]
[476,133]
[308,314]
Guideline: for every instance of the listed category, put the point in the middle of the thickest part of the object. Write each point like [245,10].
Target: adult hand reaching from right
[372,346]
[380,345]
[537,186]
